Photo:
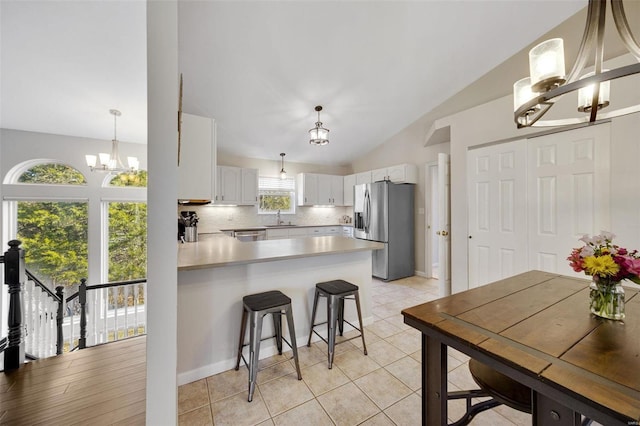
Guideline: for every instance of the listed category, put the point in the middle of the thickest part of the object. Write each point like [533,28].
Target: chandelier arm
[598,58]
[622,25]
[545,100]
[586,44]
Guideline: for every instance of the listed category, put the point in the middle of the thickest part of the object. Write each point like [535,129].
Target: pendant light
[535,95]
[283,174]
[319,135]
[111,162]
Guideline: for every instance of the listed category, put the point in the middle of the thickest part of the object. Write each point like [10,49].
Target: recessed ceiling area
[260,67]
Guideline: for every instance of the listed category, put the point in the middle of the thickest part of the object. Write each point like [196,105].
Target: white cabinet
[277,234]
[347,231]
[330,190]
[363,177]
[228,185]
[298,232]
[307,187]
[349,182]
[379,175]
[249,193]
[236,186]
[197,168]
[316,189]
[402,173]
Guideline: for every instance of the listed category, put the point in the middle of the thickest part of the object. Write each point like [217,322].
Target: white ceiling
[261,67]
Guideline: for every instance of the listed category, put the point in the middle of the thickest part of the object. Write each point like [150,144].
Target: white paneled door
[568,187]
[444,227]
[531,200]
[497,212]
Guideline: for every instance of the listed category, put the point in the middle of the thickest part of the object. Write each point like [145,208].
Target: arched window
[130,179]
[52,173]
[53,232]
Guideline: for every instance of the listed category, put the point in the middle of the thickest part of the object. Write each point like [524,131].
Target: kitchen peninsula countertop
[216,250]
[265,227]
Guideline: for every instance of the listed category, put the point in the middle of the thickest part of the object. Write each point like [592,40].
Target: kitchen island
[215,273]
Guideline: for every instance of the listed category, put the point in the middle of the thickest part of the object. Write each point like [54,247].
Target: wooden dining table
[537,329]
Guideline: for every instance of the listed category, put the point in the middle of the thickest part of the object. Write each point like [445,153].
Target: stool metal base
[336,292]
[255,337]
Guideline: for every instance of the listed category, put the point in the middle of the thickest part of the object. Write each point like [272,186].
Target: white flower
[608,236]
[587,251]
[586,239]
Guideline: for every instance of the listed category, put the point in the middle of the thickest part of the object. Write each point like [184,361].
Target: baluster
[38,334]
[28,316]
[136,290]
[59,319]
[44,315]
[105,302]
[82,295]
[14,277]
[126,310]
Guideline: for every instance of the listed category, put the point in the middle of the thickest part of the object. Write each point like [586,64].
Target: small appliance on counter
[187,227]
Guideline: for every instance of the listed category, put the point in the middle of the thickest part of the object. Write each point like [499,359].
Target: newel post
[60,319]
[82,295]
[15,277]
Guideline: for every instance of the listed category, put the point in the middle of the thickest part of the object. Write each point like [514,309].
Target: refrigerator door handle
[367,211]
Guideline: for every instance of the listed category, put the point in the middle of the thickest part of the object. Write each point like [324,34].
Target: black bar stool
[258,305]
[336,292]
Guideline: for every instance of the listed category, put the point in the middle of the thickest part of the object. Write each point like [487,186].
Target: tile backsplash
[214,218]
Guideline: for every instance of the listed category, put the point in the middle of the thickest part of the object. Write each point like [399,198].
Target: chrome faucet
[278,221]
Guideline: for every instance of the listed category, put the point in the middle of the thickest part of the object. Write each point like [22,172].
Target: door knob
[445,233]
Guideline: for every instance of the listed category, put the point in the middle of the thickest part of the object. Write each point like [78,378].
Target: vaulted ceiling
[260,67]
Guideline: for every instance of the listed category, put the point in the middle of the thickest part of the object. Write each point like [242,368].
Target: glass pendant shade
[283,174]
[522,92]
[585,95]
[319,135]
[546,65]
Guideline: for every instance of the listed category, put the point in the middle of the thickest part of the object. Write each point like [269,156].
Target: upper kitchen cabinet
[330,190]
[236,185]
[316,189]
[402,173]
[249,193]
[307,187]
[348,183]
[196,170]
[363,177]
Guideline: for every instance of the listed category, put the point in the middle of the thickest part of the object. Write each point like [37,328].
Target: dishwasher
[256,235]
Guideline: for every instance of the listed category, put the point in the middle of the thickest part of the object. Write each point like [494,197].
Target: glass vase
[607,300]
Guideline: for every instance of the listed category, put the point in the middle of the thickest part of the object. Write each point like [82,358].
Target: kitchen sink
[278,226]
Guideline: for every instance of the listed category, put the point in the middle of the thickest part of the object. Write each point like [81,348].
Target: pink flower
[632,265]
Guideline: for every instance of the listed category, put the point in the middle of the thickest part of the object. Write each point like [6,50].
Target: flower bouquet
[607,264]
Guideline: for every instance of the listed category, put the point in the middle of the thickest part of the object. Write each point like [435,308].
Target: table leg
[547,411]
[434,382]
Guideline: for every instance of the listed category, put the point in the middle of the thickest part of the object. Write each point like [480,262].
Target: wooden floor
[98,385]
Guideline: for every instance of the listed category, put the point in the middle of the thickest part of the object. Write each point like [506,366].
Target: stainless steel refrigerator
[383,212]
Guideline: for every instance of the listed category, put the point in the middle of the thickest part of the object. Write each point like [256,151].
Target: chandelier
[283,174]
[319,135]
[533,96]
[111,162]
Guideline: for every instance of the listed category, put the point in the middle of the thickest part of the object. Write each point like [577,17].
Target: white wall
[493,121]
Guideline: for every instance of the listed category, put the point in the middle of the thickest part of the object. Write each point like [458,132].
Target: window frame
[289,190]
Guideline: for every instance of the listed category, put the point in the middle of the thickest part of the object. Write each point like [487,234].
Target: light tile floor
[383,388]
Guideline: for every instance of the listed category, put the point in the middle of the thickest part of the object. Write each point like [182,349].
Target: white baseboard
[265,352]
[420,274]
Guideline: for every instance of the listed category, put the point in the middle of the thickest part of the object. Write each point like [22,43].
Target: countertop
[216,250]
[263,227]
